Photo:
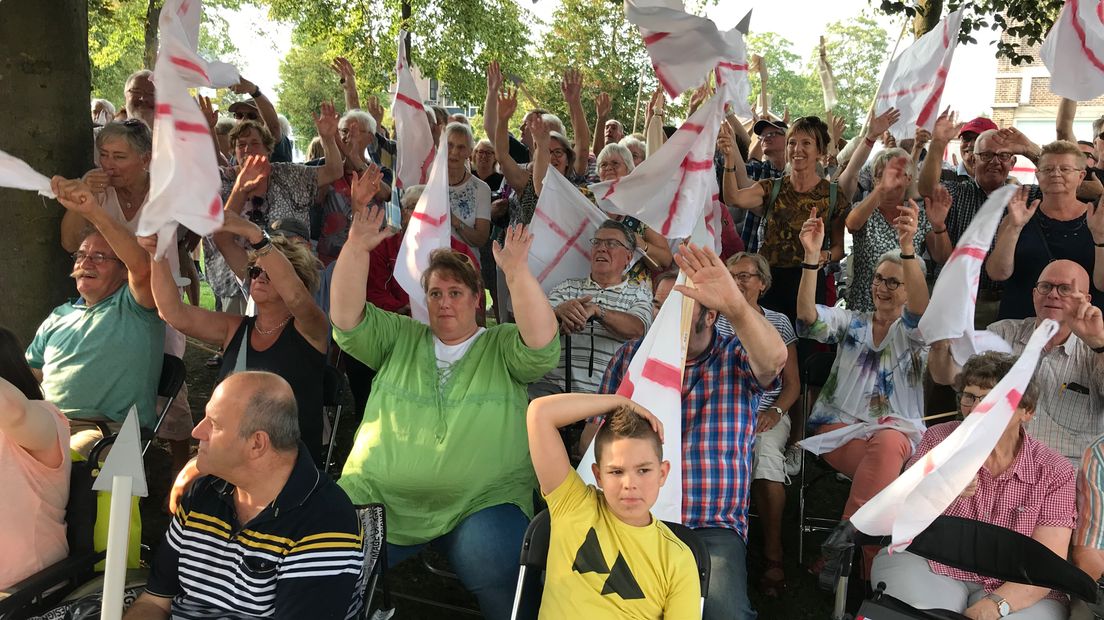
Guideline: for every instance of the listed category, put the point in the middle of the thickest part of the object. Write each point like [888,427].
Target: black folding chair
[333,395]
[814,374]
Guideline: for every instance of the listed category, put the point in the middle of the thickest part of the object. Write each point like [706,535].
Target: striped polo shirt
[301,557]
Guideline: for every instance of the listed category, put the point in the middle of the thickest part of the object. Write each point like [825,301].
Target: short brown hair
[623,423]
[457,265]
[761,266]
[813,127]
[1063,147]
[985,370]
[266,136]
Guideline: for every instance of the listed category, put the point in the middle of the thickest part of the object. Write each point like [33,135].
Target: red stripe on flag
[694,127]
[932,104]
[717,76]
[698,165]
[187,64]
[609,192]
[662,373]
[1080,30]
[425,167]
[571,239]
[187,127]
[946,37]
[215,206]
[428,220]
[733,66]
[668,87]
[408,101]
[1013,397]
[626,388]
[183,9]
[907,91]
[655,37]
[928,464]
[970,251]
[163,109]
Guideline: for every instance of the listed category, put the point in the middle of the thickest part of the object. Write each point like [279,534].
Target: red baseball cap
[978,125]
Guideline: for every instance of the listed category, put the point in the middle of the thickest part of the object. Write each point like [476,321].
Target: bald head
[1067,271]
[267,404]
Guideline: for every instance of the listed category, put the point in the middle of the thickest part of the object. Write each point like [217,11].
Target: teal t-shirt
[98,360]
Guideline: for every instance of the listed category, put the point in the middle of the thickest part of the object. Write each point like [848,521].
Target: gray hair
[881,160]
[460,128]
[762,267]
[365,119]
[630,236]
[136,133]
[894,256]
[555,122]
[440,115]
[411,195]
[615,148]
[484,142]
[224,125]
[107,106]
[285,125]
[141,73]
[631,141]
[273,412]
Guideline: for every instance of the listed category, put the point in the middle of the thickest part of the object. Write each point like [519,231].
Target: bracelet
[908,256]
[1099,245]
[261,253]
[601,314]
[256,93]
[939,232]
[810,267]
[868,141]
[1099,349]
[727,169]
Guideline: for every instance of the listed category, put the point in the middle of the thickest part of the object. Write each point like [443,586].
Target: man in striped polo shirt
[263,534]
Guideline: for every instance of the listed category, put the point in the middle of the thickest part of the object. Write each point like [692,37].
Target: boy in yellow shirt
[607,556]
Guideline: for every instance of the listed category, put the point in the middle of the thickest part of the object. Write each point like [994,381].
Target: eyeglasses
[767,135]
[97,258]
[891,284]
[1064,290]
[610,165]
[482,153]
[744,276]
[245,115]
[255,272]
[608,244]
[968,399]
[557,152]
[1047,171]
[987,156]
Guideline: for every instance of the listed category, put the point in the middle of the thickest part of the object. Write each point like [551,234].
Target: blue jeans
[483,549]
[728,599]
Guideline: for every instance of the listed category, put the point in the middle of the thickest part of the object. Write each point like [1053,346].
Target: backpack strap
[833,193]
[776,187]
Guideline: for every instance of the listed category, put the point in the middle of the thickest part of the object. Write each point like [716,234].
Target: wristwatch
[777,410]
[1003,608]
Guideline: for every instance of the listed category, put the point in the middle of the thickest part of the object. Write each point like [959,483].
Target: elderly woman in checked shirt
[1023,486]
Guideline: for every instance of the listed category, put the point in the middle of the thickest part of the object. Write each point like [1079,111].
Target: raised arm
[254,170]
[490,104]
[893,180]
[539,129]
[715,288]
[30,424]
[549,414]
[737,189]
[211,115]
[812,239]
[535,320]
[849,178]
[944,369]
[350,275]
[73,225]
[938,242]
[344,70]
[946,129]
[1096,226]
[602,107]
[1014,140]
[653,127]
[326,124]
[264,106]
[1002,258]
[516,176]
[571,86]
[915,283]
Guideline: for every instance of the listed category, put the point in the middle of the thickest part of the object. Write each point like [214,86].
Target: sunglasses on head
[245,115]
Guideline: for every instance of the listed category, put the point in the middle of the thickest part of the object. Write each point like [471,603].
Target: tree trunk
[44,88]
[153,14]
[927,16]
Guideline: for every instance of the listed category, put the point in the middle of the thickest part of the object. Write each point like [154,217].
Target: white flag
[827,81]
[430,228]
[184,175]
[707,232]
[671,189]
[1073,52]
[412,131]
[18,174]
[924,491]
[733,70]
[684,47]
[654,379]
[947,317]
[914,81]
[563,224]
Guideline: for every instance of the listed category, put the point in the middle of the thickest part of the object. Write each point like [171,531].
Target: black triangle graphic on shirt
[589,558]
[621,581]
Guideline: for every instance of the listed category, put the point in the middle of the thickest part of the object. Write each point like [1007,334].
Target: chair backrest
[701,553]
[534,547]
[816,368]
[373,523]
[172,376]
[333,386]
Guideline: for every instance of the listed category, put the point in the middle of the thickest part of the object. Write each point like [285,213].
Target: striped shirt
[785,329]
[592,348]
[1070,412]
[720,398]
[301,557]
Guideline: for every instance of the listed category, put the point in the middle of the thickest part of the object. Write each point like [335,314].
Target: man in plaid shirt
[723,380]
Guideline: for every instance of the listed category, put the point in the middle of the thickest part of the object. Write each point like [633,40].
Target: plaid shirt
[749,230]
[720,396]
[1038,490]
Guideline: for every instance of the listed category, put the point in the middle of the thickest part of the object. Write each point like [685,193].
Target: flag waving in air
[430,228]
[18,174]
[563,224]
[684,47]
[184,176]
[947,316]
[734,69]
[671,189]
[415,139]
[914,81]
[1073,52]
[924,491]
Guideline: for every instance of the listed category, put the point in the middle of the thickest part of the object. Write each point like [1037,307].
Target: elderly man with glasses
[1070,412]
[605,309]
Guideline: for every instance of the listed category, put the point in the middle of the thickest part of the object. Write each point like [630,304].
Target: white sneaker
[793,460]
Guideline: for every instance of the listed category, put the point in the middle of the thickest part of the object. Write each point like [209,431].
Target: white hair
[365,119]
[554,122]
[630,142]
[285,125]
[107,106]
[614,148]
[411,195]
[463,129]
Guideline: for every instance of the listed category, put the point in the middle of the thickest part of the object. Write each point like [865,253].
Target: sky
[969,90]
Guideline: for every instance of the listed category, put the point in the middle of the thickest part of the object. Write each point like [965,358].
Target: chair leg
[517,593]
[333,438]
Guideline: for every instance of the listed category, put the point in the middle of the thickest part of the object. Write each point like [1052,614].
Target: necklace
[268,332]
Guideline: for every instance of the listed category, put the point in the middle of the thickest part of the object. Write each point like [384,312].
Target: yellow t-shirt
[600,567]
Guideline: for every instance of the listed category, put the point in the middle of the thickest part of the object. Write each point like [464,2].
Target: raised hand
[1086,321]
[572,86]
[726,142]
[657,104]
[344,70]
[882,122]
[244,87]
[937,207]
[253,173]
[1095,217]
[376,110]
[74,195]
[1014,140]
[812,235]
[699,97]
[603,105]
[906,224]
[234,223]
[326,120]
[208,110]
[947,127]
[494,78]
[539,129]
[786,115]
[923,136]
[507,104]
[836,125]
[513,256]
[365,186]
[97,179]
[149,244]
[1019,212]
[894,177]
[367,230]
[714,287]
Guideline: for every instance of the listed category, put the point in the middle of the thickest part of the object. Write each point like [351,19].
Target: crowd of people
[303,274]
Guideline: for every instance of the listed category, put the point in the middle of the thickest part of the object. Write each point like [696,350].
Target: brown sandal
[773,586]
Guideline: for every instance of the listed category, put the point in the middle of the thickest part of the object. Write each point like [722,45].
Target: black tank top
[299,363]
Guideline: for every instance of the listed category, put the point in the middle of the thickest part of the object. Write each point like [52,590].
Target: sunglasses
[245,115]
[255,272]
